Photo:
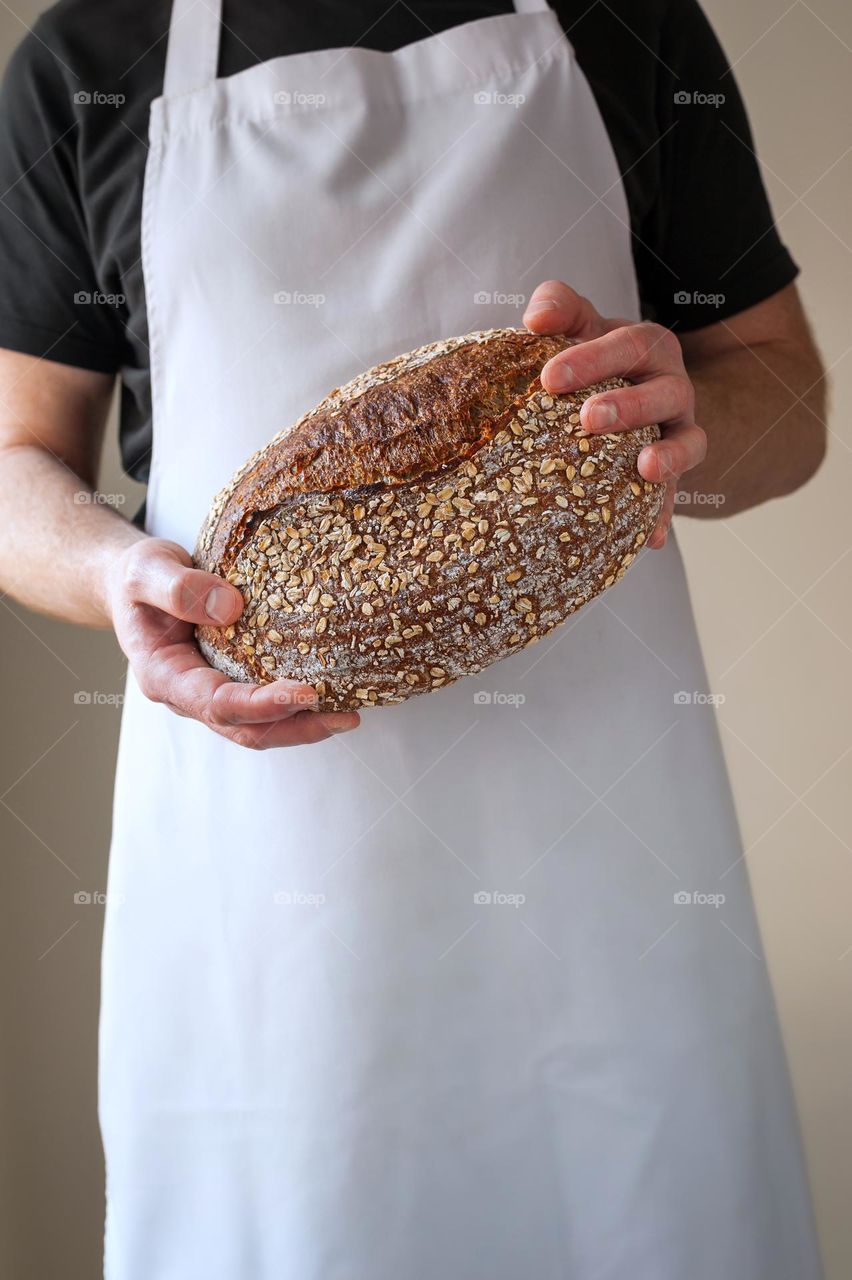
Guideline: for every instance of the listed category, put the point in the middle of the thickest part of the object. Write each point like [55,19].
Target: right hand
[156,598]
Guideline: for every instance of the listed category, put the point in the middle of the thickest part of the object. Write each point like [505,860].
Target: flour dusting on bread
[436,514]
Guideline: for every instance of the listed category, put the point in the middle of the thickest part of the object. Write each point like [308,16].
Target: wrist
[109,571]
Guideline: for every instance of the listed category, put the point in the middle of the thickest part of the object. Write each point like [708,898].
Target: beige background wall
[771,589]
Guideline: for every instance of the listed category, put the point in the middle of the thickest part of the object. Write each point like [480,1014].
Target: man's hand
[155,598]
[651,357]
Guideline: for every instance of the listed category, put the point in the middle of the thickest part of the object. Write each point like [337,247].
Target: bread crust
[436,514]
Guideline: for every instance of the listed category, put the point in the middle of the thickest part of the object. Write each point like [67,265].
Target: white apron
[420,1003]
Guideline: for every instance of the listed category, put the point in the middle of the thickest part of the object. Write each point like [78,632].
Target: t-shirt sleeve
[51,304]
[711,247]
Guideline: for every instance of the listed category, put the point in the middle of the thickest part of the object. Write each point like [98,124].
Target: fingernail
[603,415]
[218,604]
[541,304]
[560,377]
[664,461]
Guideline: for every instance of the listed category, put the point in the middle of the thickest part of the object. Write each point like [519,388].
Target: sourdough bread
[433,516]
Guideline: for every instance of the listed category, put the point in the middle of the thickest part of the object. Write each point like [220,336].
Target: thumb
[557,308]
[160,574]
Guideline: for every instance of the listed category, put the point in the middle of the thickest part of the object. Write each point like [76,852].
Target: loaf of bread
[433,516]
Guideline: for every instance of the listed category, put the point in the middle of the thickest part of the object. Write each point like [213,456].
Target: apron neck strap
[192,52]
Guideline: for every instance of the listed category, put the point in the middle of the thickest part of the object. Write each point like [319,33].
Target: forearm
[56,544]
[763,409]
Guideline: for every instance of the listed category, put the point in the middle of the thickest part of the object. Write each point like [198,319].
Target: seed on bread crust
[380,559]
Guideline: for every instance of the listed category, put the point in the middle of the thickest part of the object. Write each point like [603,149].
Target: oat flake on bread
[435,515]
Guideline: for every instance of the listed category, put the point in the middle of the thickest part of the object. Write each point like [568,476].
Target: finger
[235,704]
[634,351]
[557,308]
[682,447]
[178,676]
[303,729]
[162,576]
[176,673]
[660,532]
[665,399]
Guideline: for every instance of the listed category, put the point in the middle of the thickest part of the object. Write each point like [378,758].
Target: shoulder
[653,37]
[623,24]
[85,18]
[75,40]
[80,61]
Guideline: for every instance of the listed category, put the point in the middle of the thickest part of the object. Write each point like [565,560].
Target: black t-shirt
[73,127]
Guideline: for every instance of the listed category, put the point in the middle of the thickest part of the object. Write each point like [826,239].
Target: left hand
[651,357]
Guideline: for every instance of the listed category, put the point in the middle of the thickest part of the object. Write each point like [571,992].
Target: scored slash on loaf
[436,514]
